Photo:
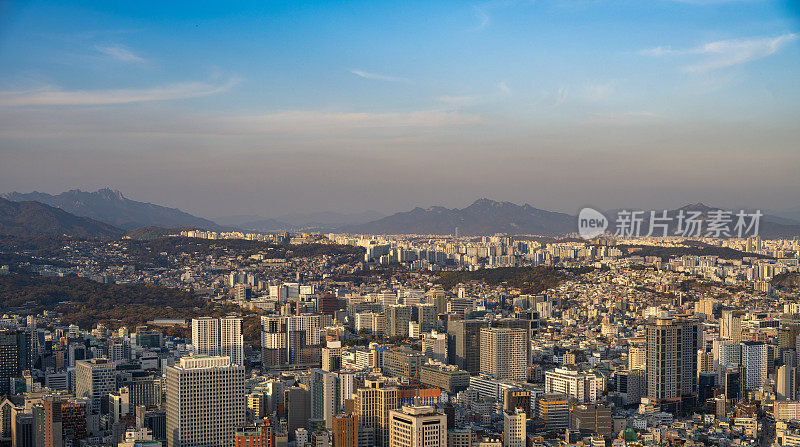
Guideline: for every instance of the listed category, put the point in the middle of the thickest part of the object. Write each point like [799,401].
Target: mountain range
[111,207]
[107,213]
[34,218]
[482,217]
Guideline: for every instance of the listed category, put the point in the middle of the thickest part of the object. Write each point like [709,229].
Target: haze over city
[270,108]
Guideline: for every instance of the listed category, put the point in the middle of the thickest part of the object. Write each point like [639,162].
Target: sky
[268,108]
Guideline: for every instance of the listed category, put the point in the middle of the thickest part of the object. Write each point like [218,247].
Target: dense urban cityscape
[392,341]
[377,223]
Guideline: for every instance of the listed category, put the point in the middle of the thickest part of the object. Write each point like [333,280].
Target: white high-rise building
[417,427]
[514,428]
[205,401]
[219,337]
[231,339]
[205,336]
[573,383]
[754,363]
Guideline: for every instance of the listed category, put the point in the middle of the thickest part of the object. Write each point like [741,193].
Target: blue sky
[275,107]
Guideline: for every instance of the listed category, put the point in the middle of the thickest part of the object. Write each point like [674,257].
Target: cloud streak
[120,53]
[51,96]
[726,53]
[379,77]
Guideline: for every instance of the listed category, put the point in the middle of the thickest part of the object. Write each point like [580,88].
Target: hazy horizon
[273,108]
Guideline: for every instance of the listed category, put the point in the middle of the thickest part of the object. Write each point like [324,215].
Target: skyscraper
[219,337]
[417,427]
[94,379]
[464,344]
[15,353]
[503,353]
[206,336]
[231,339]
[324,395]
[672,344]
[372,405]
[205,401]
[786,386]
[298,406]
[754,364]
[730,325]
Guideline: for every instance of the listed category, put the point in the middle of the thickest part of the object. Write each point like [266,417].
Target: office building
[434,345]
[446,377]
[421,426]
[397,317]
[15,356]
[297,400]
[515,428]
[94,379]
[730,325]
[464,344]
[372,405]
[345,430]
[578,385]
[205,401]
[324,395]
[514,398]
[786,383]
[593,417]
[254,436]
[553,410]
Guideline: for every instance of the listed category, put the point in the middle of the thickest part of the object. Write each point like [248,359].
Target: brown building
[52,422]
[73,419]
[254,436]
[553,409]
[594,417]
[345,430]
[517,398]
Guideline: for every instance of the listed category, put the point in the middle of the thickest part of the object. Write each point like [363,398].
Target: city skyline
[272,109]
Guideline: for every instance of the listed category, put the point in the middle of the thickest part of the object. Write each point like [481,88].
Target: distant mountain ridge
[482,217]
[111,207]
[29,218]
[487,217]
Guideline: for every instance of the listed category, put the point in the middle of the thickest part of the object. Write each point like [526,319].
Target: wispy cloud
[483,11]
[379,77]
[503,91]
[303,120]
[482,15]
[301,125]
[120,53]
[726,53]
[626,118]
[51,96]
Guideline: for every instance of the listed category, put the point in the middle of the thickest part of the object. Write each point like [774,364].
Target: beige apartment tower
[205,401]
